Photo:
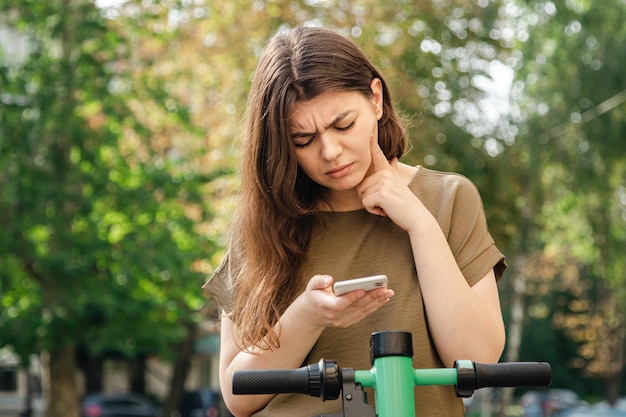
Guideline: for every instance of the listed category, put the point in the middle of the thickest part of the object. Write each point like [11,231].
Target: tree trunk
[181,370]
[138,374]
[91,367]
[613,385]
[63,393]
[616,367]
[28,399]
[514,334]
[93,374]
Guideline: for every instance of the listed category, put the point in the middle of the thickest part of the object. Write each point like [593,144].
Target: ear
[377,96]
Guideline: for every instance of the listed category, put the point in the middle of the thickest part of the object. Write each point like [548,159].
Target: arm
[465,322]
[298,328]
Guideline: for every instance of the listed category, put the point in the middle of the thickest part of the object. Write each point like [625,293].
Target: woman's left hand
[384,192]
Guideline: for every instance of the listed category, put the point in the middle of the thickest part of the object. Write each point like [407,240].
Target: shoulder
[443,186]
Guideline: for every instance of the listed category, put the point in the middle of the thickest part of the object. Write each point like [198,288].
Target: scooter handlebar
[322,379]
[271,381]
[513,374]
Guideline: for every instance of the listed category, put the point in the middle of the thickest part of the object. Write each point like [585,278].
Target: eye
[343,128]
[303,142]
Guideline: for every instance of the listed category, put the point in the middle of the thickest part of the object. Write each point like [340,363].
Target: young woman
[324,199]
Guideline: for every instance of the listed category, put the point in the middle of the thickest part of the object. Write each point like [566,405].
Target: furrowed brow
[336,120]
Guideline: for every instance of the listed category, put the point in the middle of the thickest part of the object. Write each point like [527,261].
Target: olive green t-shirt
[353,244]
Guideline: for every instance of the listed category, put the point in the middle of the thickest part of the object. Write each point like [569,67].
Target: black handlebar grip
[513,374]
[271,381]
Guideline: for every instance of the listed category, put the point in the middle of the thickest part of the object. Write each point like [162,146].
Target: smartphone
[365,284]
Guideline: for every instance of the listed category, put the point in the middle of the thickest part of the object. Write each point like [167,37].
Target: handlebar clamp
[466,378]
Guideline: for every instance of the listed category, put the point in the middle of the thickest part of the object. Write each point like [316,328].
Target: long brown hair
[276,211]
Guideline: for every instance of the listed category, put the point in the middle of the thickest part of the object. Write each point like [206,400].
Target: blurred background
[119,129]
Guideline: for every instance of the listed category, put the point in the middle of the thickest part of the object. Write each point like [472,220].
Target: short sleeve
[219,285]
[469,237]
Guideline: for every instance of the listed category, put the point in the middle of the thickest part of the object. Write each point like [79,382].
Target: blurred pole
[28,399]
[514,336]
[486,402]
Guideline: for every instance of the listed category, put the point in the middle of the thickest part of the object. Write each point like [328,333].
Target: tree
[575,114]
[104,241]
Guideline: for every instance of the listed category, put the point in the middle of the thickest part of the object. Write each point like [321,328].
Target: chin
[348,185]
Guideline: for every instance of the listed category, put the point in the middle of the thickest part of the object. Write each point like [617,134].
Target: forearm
[464,324]
[297,336]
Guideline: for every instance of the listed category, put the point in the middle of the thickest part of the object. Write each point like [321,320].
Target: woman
[324,199]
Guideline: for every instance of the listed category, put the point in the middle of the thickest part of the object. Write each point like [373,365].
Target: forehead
[325,108]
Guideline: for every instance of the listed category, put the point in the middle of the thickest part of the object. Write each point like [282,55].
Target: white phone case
[365,284]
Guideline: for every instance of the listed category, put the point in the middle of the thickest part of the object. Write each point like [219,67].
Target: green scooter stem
[392,375]
[393,379]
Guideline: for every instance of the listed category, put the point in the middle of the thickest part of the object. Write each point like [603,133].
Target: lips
[340,171]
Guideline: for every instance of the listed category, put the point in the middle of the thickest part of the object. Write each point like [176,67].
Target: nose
[331,146]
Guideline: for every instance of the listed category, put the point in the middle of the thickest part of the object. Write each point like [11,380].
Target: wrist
[299,314]
[423,225]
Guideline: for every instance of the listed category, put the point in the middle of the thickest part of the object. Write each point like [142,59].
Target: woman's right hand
[298,328]
[319,305]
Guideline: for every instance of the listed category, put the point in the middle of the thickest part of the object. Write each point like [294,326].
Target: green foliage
[101,233]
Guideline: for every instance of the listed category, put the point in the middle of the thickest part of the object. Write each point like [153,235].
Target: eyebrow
[336,120]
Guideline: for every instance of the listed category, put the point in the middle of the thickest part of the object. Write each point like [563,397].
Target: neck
[347,200]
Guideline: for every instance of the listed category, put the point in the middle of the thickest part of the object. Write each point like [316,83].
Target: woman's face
[332,136]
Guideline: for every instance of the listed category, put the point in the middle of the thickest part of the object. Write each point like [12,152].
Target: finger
[320,282]
[352,296]
[375,297]
[379,160]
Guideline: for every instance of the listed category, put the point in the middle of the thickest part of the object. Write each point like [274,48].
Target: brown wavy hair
[278,202]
